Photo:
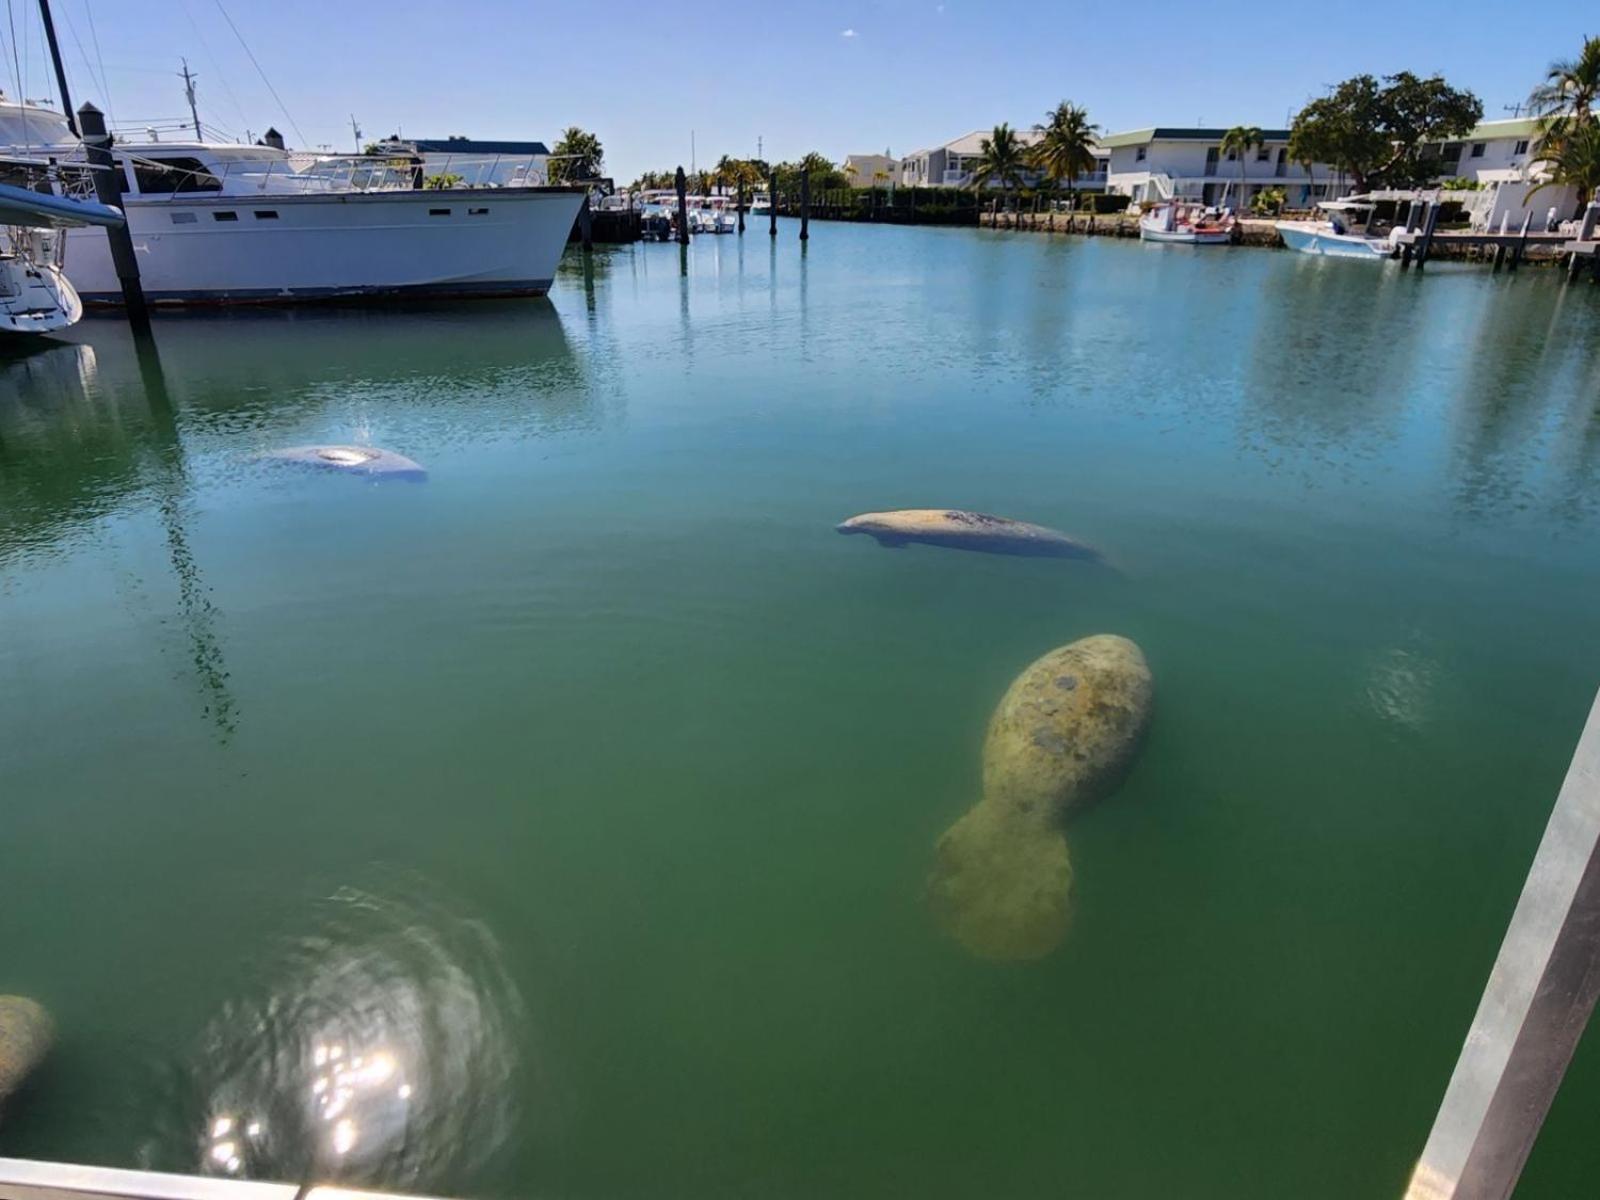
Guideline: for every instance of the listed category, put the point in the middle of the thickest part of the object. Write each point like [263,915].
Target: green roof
[1173,133]
[1526,127]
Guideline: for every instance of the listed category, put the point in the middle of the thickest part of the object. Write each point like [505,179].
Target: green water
[587,790]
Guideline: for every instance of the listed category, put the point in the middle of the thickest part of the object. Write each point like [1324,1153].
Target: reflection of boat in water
[1348,232]
[35,296]
[1186,224]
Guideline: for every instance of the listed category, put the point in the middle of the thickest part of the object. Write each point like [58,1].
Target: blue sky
[851,76]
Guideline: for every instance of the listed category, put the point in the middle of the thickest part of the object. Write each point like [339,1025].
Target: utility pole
[55,59]
[356,131]
[188,90]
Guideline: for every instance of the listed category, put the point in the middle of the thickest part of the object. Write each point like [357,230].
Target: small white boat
[1186,224]
[35,295]
[1347,233]
[723,221]
[760,203]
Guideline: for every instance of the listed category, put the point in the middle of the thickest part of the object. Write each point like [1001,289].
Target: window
[1263,154]
[1452,151]
[1138,155]
[162,176]
[184,218]
[438,212]
[1477,149]
[1232,154]
[266,214]
[224,216]
[1522,147]
[477,212]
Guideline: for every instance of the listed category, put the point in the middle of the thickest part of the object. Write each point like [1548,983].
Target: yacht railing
[343,175]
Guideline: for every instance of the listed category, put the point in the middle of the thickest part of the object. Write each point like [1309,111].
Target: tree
[1065,149]
[1239,141]
[1378,132]
[577,157]
[1002,160]
[1570,89]
[1573,158]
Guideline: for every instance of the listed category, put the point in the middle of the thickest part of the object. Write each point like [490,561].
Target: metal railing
[23,1179]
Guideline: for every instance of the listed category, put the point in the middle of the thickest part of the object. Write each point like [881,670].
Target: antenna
[758,147]
[356,131]
[1514,109]
[692,168]
[188,90]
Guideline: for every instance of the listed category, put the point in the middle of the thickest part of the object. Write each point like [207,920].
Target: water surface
[586,791]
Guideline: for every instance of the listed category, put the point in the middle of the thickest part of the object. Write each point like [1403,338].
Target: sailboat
[35,295]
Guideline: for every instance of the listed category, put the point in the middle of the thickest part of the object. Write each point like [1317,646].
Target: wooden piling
[1522,242]
[586,226]
[683,207]
[739,204]
[97,150]
[805,205]
[772,203]
[1428,225]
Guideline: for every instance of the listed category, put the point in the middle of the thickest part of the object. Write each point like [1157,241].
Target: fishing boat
[35,295]
[1347,232]
[220,223]
[1186,224]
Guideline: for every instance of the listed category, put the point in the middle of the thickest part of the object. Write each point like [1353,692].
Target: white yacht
[1346,233]
[35,296]
[217,223]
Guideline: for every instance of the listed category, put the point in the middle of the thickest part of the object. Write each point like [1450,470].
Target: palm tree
[1573,159]
[1240,140]
[1570,88]
[1001,159]
[1065,149]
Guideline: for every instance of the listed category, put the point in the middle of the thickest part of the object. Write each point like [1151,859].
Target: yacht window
[224,216]
[438,212]
[1477,149]
[477,212]
[163,175]
[266,214]
[1522,147]
[184,218]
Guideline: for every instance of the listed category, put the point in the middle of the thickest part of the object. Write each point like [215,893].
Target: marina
[342,709]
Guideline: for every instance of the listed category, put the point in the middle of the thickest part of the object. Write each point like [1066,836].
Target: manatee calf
[26,1033]
[966,531]
[1062,736]
[369,461]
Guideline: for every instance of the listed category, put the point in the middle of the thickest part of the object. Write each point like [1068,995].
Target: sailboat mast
[55,59]
[188,91]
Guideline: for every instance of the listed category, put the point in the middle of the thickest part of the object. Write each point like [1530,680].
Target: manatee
[1062,737]
[961,530]
[369,461]
[26,1033]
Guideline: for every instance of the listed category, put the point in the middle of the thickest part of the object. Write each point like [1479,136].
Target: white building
[864,170]
[1162,162]
[952,164]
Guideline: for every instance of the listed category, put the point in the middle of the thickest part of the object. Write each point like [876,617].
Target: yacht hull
[206,249]
[35,298]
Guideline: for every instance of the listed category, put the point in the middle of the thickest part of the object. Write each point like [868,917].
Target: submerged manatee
[1062,737]
[369,461]
[26,1033]
[962,530]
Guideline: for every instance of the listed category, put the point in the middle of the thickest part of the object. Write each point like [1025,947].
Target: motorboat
[724,221]
[1187,224]
[220,223]
[1347,232]
[760,203]
[35,294]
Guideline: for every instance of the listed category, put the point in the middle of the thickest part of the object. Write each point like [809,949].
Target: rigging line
[97,79]
[16,63]
[216,67]
[94,36]
[251,55]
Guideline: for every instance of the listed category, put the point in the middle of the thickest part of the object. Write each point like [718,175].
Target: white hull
[35,298]
[1183,237]
[287,248]
[1315,237]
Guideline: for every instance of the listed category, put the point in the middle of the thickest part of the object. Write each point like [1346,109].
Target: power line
[251,55]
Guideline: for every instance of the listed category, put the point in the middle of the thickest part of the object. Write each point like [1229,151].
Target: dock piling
[805,205]
[97,149]
[586,225]
[1522,242]
[683,207]
[739,205]
[772,202]
[1429,222]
